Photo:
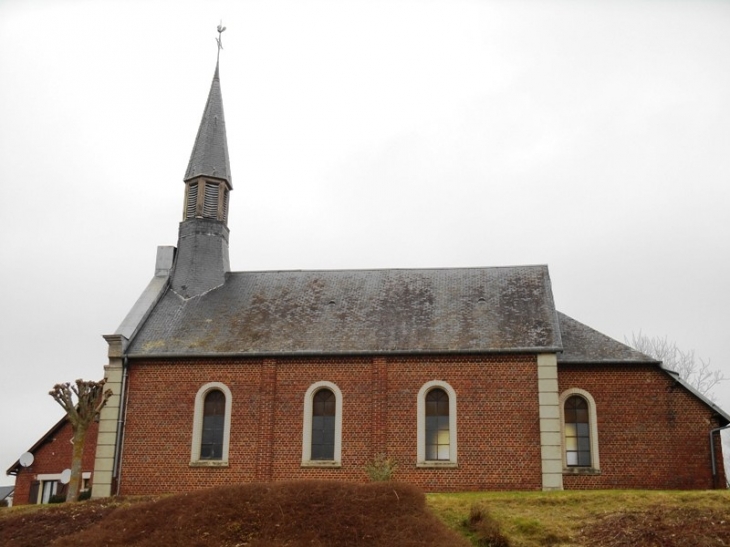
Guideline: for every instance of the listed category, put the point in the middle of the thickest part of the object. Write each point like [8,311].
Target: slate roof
[582,344]
[210,151]
[505,309]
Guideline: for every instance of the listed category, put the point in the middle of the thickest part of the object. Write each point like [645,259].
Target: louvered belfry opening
[206,198]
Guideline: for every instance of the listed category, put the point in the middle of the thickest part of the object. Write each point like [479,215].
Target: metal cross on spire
[221,28]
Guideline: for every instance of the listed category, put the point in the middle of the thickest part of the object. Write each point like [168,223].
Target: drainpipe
[116,471]
[712,451]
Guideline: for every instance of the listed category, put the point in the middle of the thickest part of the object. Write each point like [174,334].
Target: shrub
[381,468]
[485,527]
[84,495]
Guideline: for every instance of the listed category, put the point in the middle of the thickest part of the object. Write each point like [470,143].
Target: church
[466,378]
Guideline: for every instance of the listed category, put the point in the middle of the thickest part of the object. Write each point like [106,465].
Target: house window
[322,426]
[436,423]
[211,425]
[580,433]
[48,490]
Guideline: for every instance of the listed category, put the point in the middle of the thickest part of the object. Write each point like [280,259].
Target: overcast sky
[593,137]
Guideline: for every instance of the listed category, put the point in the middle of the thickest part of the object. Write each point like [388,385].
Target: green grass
[531,519]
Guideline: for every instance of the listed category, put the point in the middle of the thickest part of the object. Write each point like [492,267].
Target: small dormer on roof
[208,176]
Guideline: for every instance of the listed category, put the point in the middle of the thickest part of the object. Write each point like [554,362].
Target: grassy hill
[383,514]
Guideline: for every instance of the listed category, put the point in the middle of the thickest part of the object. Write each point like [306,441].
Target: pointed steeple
[201,261]
[210,152]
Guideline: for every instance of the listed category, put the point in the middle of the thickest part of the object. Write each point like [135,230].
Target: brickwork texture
[652,433]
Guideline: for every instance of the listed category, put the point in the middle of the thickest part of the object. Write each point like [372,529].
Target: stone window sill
[437,465]
[326,464]
[209,463]
[581,471]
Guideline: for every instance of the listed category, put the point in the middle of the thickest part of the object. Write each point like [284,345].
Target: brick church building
[468,377]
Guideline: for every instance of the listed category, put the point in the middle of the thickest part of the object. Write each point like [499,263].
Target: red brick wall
[52,457]
[652,433]
[497,409]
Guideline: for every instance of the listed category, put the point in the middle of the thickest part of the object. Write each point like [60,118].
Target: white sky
[589,136]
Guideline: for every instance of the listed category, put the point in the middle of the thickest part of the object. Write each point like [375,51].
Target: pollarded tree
[90,398]
[695,371]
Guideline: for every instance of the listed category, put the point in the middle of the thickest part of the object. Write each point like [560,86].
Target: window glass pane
[440,399]
[215,404]
[431,407]
[324,408]
[443,437]
[432,435]
[576,431]
[437,425]
[214,410]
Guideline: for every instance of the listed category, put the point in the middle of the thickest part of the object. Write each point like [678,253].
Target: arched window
[214,419]
[322,431]
[580,433]
[436,424]
[323,425]
[211,425]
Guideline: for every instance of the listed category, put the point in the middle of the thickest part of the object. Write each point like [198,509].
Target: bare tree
[90,399]
[695,371]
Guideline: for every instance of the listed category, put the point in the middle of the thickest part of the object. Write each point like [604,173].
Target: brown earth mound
[661,527]
[312,513]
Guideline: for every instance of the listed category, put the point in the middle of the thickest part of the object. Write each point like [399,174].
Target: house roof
[506,309]
[13,469]
[582,344]
[210,151]
[6,492]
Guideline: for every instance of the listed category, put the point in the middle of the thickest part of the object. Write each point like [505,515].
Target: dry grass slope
[602,518]
[312,513]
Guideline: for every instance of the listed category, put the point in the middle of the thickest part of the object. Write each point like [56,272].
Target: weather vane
[221,28]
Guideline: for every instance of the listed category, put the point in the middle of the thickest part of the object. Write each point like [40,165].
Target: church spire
[208,176]
[210,151]
[201,261]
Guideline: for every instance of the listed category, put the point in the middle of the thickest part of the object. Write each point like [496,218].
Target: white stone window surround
[421,460]
[595,467]
[307,460]
[195,460]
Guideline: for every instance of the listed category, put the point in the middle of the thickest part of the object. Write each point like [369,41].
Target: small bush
[84,495]
[381,469]
[58,498]
[485,527]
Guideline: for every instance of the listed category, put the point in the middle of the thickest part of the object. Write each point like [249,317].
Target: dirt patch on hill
[312,513]
[661,527]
